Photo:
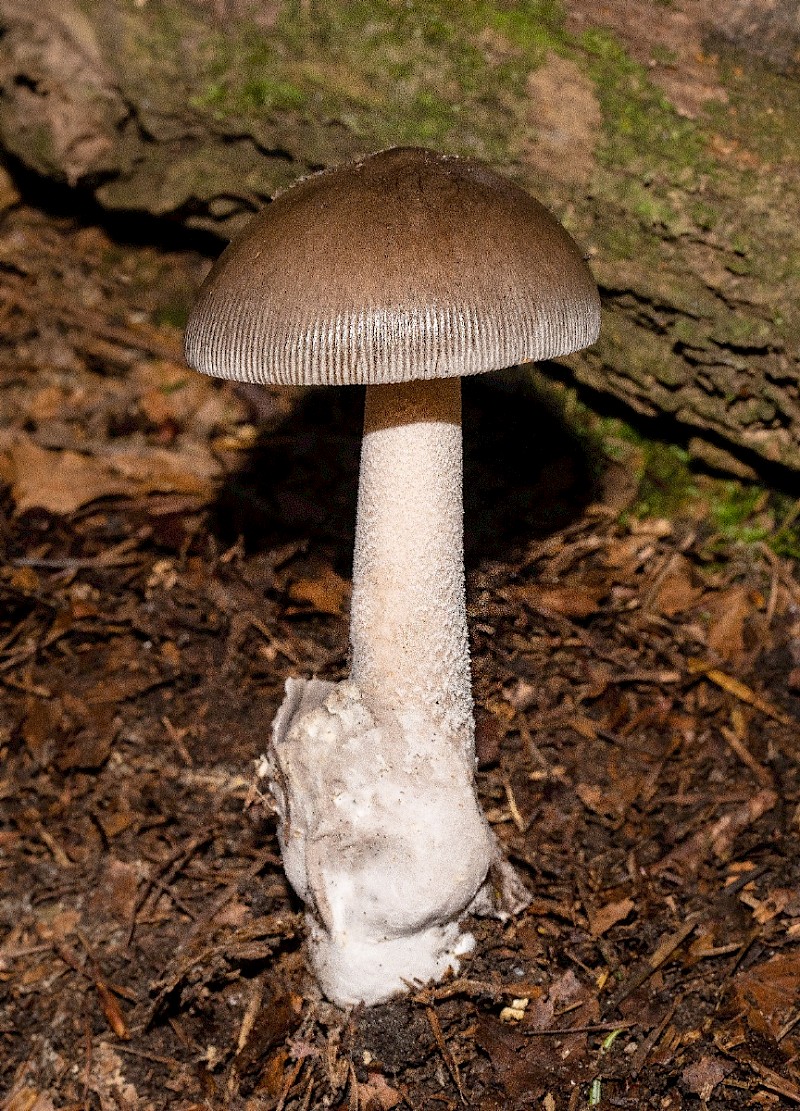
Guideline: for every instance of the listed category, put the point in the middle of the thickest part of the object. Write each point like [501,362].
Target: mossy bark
[199,111]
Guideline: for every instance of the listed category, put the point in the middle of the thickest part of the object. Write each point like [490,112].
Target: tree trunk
[678,168]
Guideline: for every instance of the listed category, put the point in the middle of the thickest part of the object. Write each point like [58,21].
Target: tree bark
[681,177]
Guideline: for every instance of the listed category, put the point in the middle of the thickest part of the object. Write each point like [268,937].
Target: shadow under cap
[407,265]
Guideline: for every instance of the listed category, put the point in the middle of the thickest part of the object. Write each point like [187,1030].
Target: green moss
[667,484]
[763,110]
[704,215]
[393,72]
[533,27]
[643,132]
[670,484]
[172,315]
[786,538]
[733,507]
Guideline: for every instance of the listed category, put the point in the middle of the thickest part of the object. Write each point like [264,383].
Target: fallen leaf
[704,1075]
[769,993]
[59,927]
[88,735]
[677,591]
[584,726]
[738,689]
[28,1099]
[121,686]
[377,1095]
[62,481]
[188,470]
[59,481]
[729,611]
[597,799]
[329,593]
[115,894]
[41,728]
[602,920]
[570,600]
[719,836]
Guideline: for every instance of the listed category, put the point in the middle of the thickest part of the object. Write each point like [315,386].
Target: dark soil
[172,550]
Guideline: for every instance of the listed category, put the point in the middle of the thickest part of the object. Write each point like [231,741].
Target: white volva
[381,831]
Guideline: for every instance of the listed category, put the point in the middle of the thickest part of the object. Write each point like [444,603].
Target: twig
[773,1081]
[108,1004]
[596,1028]
[449,1059]
[261,861]
[143,1055]
[666,947]
[172,866]
[745,755]
[87,1068]
[289,1084]
[738,689]
[117,556]
[644,1048]
[516,817]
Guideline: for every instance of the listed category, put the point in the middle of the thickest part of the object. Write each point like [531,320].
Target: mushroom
[402,272]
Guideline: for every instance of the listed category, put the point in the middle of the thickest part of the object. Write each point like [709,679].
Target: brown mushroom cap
[408,264]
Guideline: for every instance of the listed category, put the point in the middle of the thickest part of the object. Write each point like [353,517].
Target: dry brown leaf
[41,727]
[329,593]
[704,1075]
[571,599]
[59,927]
[769,993]
[121,686]
[88,752]
[60,481]
[729,611]
[115,821]
[719,836]
[28,1099]
[724,832]
[584,726]
[186,470]
[598,799]
[624,553]
[737,688]
[602,920]
[377,1095]
[677,591]
[115,894]
[63,481]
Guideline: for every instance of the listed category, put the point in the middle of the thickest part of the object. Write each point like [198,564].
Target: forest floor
[173,549]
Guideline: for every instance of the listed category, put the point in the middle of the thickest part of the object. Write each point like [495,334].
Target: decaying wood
[696,253]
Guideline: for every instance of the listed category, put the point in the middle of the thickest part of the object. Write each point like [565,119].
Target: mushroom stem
[408,620]
[373,778]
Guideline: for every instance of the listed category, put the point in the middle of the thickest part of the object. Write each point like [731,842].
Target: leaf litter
[172,549]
